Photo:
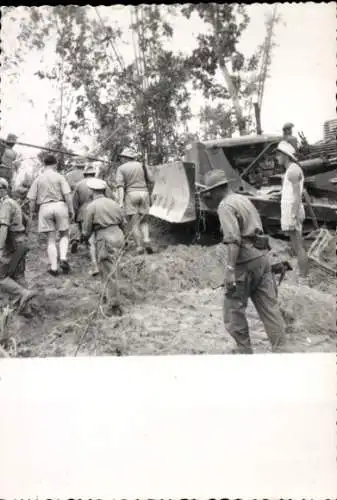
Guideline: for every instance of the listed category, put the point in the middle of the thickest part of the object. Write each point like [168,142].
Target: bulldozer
[250,162]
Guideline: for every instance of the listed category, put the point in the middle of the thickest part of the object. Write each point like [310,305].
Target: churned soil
[171,305]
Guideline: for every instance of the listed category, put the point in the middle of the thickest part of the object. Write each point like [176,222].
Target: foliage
[216,122]
[137,104]
[144,102]
[217,50]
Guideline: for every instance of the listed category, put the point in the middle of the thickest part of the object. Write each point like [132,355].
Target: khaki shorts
[109,242]
[53,216]
[137,202]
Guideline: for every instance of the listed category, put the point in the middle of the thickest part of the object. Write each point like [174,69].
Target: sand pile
[308,311]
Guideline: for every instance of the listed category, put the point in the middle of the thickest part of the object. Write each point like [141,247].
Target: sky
[301,88]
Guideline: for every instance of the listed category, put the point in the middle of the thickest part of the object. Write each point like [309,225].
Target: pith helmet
[89,170]
[128,153]
[96,184]
[3,183]
[214,179]
[287,149]
[11,138]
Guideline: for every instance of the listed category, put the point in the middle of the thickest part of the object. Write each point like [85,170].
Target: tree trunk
[238,111]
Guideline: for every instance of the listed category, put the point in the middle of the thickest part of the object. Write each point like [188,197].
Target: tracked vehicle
[251,165]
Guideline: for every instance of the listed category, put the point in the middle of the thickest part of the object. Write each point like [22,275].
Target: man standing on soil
[248,271]
[134,196]
[292,208]
[52,194]
[105,220]
[81,198]
[13,248]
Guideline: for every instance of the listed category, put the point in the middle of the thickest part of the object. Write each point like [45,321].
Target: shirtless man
[292,208]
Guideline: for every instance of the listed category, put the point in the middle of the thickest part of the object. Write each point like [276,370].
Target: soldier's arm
[4,223]
[87,226]
[66,191]
[76,200]
[3,237]
[32,197]
[295,176]
[120,187]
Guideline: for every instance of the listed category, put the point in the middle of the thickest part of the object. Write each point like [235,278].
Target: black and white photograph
[168,179]
[168,207]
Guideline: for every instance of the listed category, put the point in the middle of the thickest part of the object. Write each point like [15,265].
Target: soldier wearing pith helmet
[248,270]
[104,219]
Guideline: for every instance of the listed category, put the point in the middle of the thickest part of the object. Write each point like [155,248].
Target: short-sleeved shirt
[101,213]
[131,176]
[82,196]
[239,220]
[49,186]
[11,215]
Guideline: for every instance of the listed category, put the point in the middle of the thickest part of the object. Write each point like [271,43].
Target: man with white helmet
[13,247]
[292,208]
[104,219]
[248,270]
[133,194]
[82,196]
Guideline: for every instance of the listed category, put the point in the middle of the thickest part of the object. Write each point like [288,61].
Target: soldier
[51,193]
[133,195]
[105,220]
[9,155]
[9,158]
[81,197]
[13,248]
[248,271]
[292,208]
[288,135]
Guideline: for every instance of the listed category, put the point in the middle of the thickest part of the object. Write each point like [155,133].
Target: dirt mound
[308,310]
[170,306]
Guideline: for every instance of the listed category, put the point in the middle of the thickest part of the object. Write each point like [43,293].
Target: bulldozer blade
[173,195]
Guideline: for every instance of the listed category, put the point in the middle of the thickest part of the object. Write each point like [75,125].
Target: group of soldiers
[103,219]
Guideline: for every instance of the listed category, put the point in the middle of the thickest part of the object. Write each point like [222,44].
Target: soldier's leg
[93,257]
[109,274]
[235,304]
[75,236]
[46,225]
[296,241]
[132,211]
[52,251]
[136,231]
[264,298]
[144,224]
